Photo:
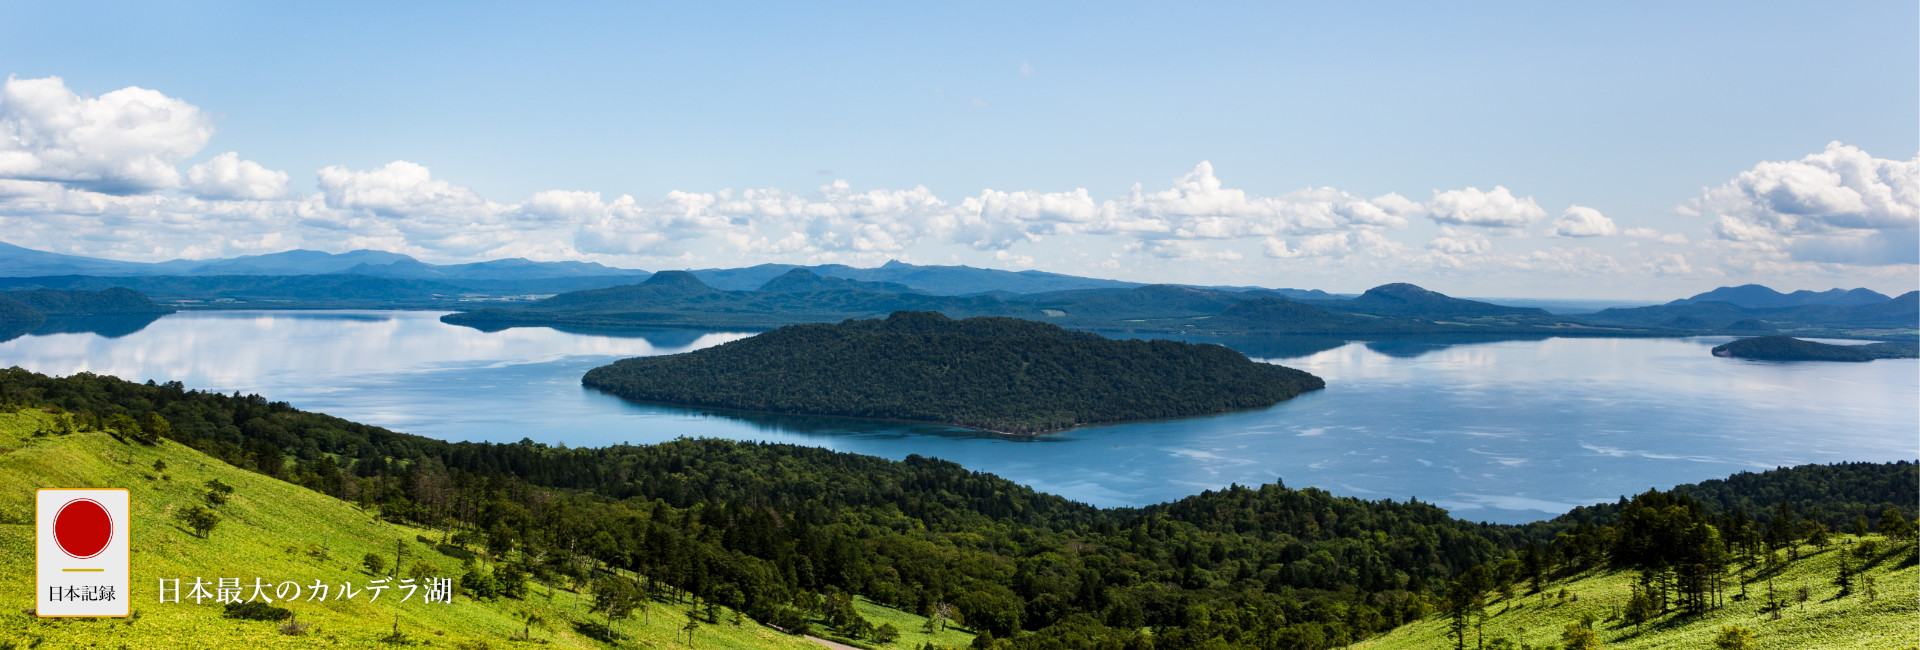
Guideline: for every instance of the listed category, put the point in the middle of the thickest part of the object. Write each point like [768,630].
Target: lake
[1505,431]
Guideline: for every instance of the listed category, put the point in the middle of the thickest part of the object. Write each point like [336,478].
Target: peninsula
[1787,348]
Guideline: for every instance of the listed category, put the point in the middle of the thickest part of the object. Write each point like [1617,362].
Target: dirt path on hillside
[830,644]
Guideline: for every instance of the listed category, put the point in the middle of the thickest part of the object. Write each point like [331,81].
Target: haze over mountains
[25,262]
[680,299]
[1753,295]
[1754,309]
[510,276]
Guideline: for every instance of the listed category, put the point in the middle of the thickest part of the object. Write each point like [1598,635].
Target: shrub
[479,585]
[1734,637]
[218,493]
[422,569]
[375,563]
[257,612]
[1579,637]
[199,518]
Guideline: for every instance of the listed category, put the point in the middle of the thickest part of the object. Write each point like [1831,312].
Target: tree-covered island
[998,374]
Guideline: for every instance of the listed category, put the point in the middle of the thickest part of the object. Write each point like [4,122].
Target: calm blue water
[1507,431]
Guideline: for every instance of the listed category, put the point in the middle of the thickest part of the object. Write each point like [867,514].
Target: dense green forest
[106,302]
[14,311]
[47,310]
[784,532]
[17,319]
[1787,348]
[999,374]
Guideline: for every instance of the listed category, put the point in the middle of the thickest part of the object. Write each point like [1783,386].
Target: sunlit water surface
[1507,431]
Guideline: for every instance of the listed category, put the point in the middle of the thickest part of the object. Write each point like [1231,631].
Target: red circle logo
[82,528]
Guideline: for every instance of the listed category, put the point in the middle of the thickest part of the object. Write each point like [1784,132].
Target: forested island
[1787,348]
[993,373]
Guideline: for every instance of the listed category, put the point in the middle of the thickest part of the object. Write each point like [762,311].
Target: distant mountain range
[1758,296]
[1756,309]
[585,294]
[28,268]
[25,262]
[679,299]
[938,280]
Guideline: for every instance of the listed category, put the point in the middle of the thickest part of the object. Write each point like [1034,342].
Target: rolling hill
[1825,618]
[281,532]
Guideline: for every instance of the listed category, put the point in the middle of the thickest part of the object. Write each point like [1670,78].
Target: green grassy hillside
[277,531]
[1888,621]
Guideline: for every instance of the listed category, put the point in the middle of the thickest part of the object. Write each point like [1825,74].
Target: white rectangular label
[82,550]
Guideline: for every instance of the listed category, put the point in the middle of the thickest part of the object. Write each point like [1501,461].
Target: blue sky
[509,119]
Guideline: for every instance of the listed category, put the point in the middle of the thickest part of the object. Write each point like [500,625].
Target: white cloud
[1026,69]
[1186,251]
[1472,207]
[1010,259]
[399,189]
[1656,235]
[1334,244]
[996,220]
[1453,241]
[837,217]
[1671,264]
[1200,206]
[1838,206]
[127,141]
[1400,206]
[226,176]
[1577,261]
[401,204]
[1582,221]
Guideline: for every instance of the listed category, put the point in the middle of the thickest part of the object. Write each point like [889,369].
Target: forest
[993,373]
[60,310]
[33,307]
[781,532]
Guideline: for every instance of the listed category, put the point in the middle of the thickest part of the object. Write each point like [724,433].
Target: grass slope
[1825,620]
[267,530]
[911,627]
